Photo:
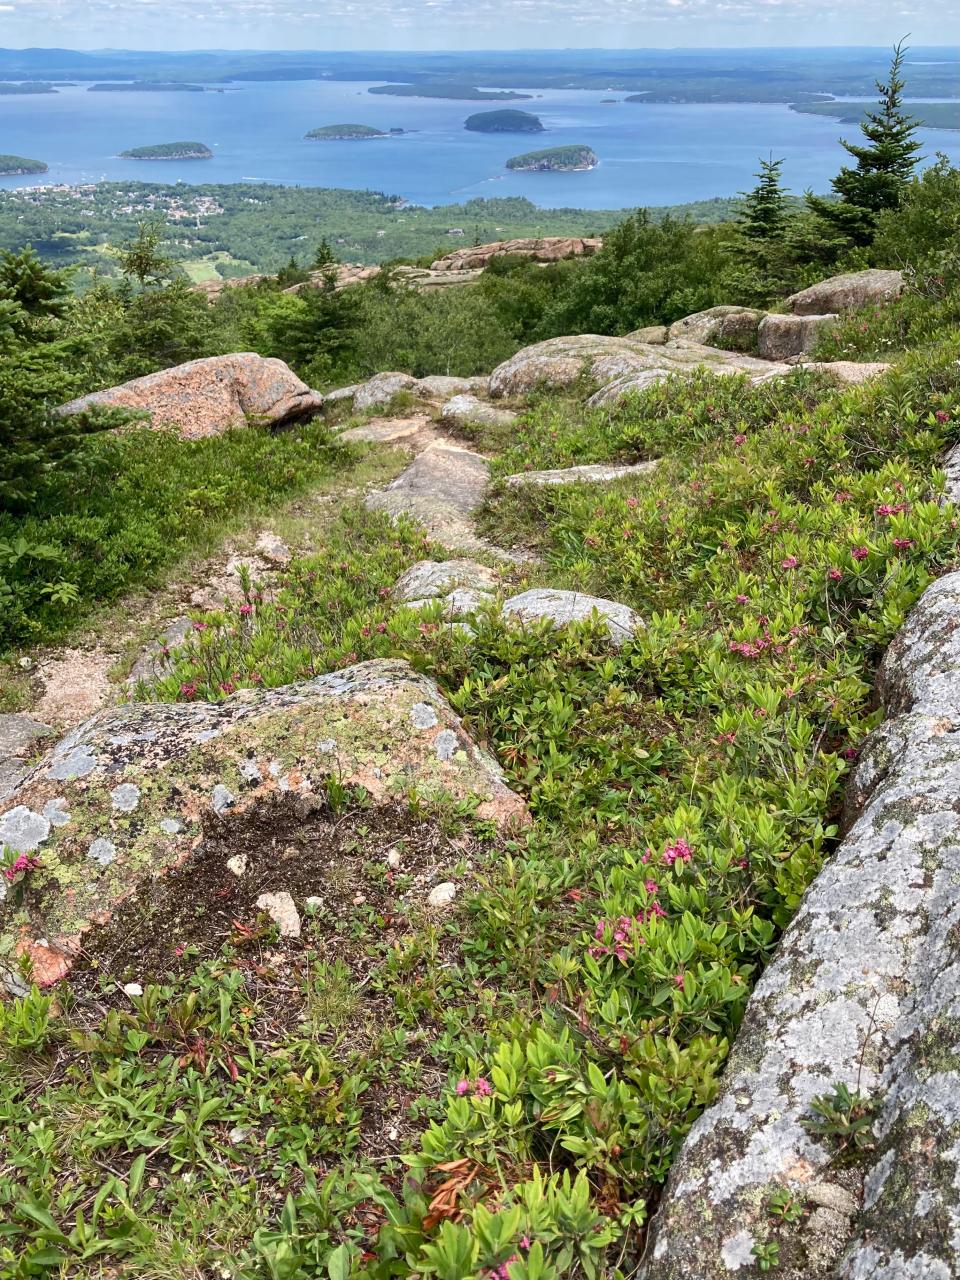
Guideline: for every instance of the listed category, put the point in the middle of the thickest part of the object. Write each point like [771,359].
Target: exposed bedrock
[863,991]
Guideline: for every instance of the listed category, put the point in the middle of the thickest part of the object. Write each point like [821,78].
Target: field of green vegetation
[244,228]
[498,1091]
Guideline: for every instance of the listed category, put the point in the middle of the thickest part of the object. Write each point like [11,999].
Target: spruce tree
[760,245]
[885,164]
[763,213]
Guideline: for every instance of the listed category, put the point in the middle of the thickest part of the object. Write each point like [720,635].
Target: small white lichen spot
[126,797]
[237,864]
[22,830]
[56,812]
[326,746]
[169,826]
[102,851]
[423,716]
[737,1251]
[222,798]
[445,744]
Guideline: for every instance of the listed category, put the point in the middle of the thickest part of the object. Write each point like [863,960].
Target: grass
[504,1086]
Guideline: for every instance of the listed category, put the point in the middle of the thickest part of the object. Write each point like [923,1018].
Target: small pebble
[442,895]
[237,864]
[393,859]
[282,910]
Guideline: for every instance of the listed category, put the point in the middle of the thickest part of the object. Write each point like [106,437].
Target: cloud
[478,24]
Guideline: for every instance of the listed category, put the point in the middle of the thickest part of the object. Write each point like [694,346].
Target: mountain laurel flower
[200,626]
[941,415]
[463,1087]
[189,689]
[789,562]
[24,863]
[834,575]
[246,610]
[483,1088]
[860,553]
[891,508]
[901,544]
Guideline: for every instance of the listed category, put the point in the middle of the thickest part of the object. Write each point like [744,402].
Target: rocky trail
[137,796]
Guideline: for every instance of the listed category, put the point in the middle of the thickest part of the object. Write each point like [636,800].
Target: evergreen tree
[324,257]
[885,164]
[38,291]
[763,213]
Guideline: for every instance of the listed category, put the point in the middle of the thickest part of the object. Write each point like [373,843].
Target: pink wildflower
[24,863]
[901,544]
[678,980]
[789,562]
[227,686]
[246,610]
[739,439]
[200,626]
[860,553]
[463,1086]
[742,599]
[482,1088]
[941,415]
[679,851]
[189,689]
[834,575]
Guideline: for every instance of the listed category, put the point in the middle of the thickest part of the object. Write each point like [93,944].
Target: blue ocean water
[649,154]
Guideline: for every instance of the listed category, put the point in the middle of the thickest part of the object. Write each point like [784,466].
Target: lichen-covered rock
[432,579]
[847,292]
[737,331]
[562,607]
[130,794]
[704,326]
[470,411]
[20,737]
[849,372]
[615,365]
[591,473]
[210,396]
[786,337]
[864,991]
[379,390]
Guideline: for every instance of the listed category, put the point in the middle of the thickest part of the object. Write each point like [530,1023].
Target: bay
[652,154]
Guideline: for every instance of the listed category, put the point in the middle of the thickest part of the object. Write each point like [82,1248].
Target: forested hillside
[413,753]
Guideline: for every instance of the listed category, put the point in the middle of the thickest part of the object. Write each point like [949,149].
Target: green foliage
[885,164]
[846,1116]
[767,268]
[141,259]
[129,506]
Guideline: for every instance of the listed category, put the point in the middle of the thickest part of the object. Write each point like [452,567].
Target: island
[347,133]
[145,86]
[572,159]
[15,166]
[26,86]
[169,151]
[931,115]
[504,122]
[459,92]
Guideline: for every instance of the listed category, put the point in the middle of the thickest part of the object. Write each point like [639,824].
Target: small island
[347,133]
[458,92]
[145,86]
[504,122]
[572,159]
[16,166]
[26,86]
[169,151]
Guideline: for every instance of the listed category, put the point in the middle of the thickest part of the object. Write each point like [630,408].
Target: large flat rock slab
[788,337]
[207,397]
[864,991]
[20,738]
[441,489]
[617,366]
[590,473]
[130,794]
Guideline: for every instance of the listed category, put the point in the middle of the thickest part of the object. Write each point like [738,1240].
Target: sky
[471,24]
